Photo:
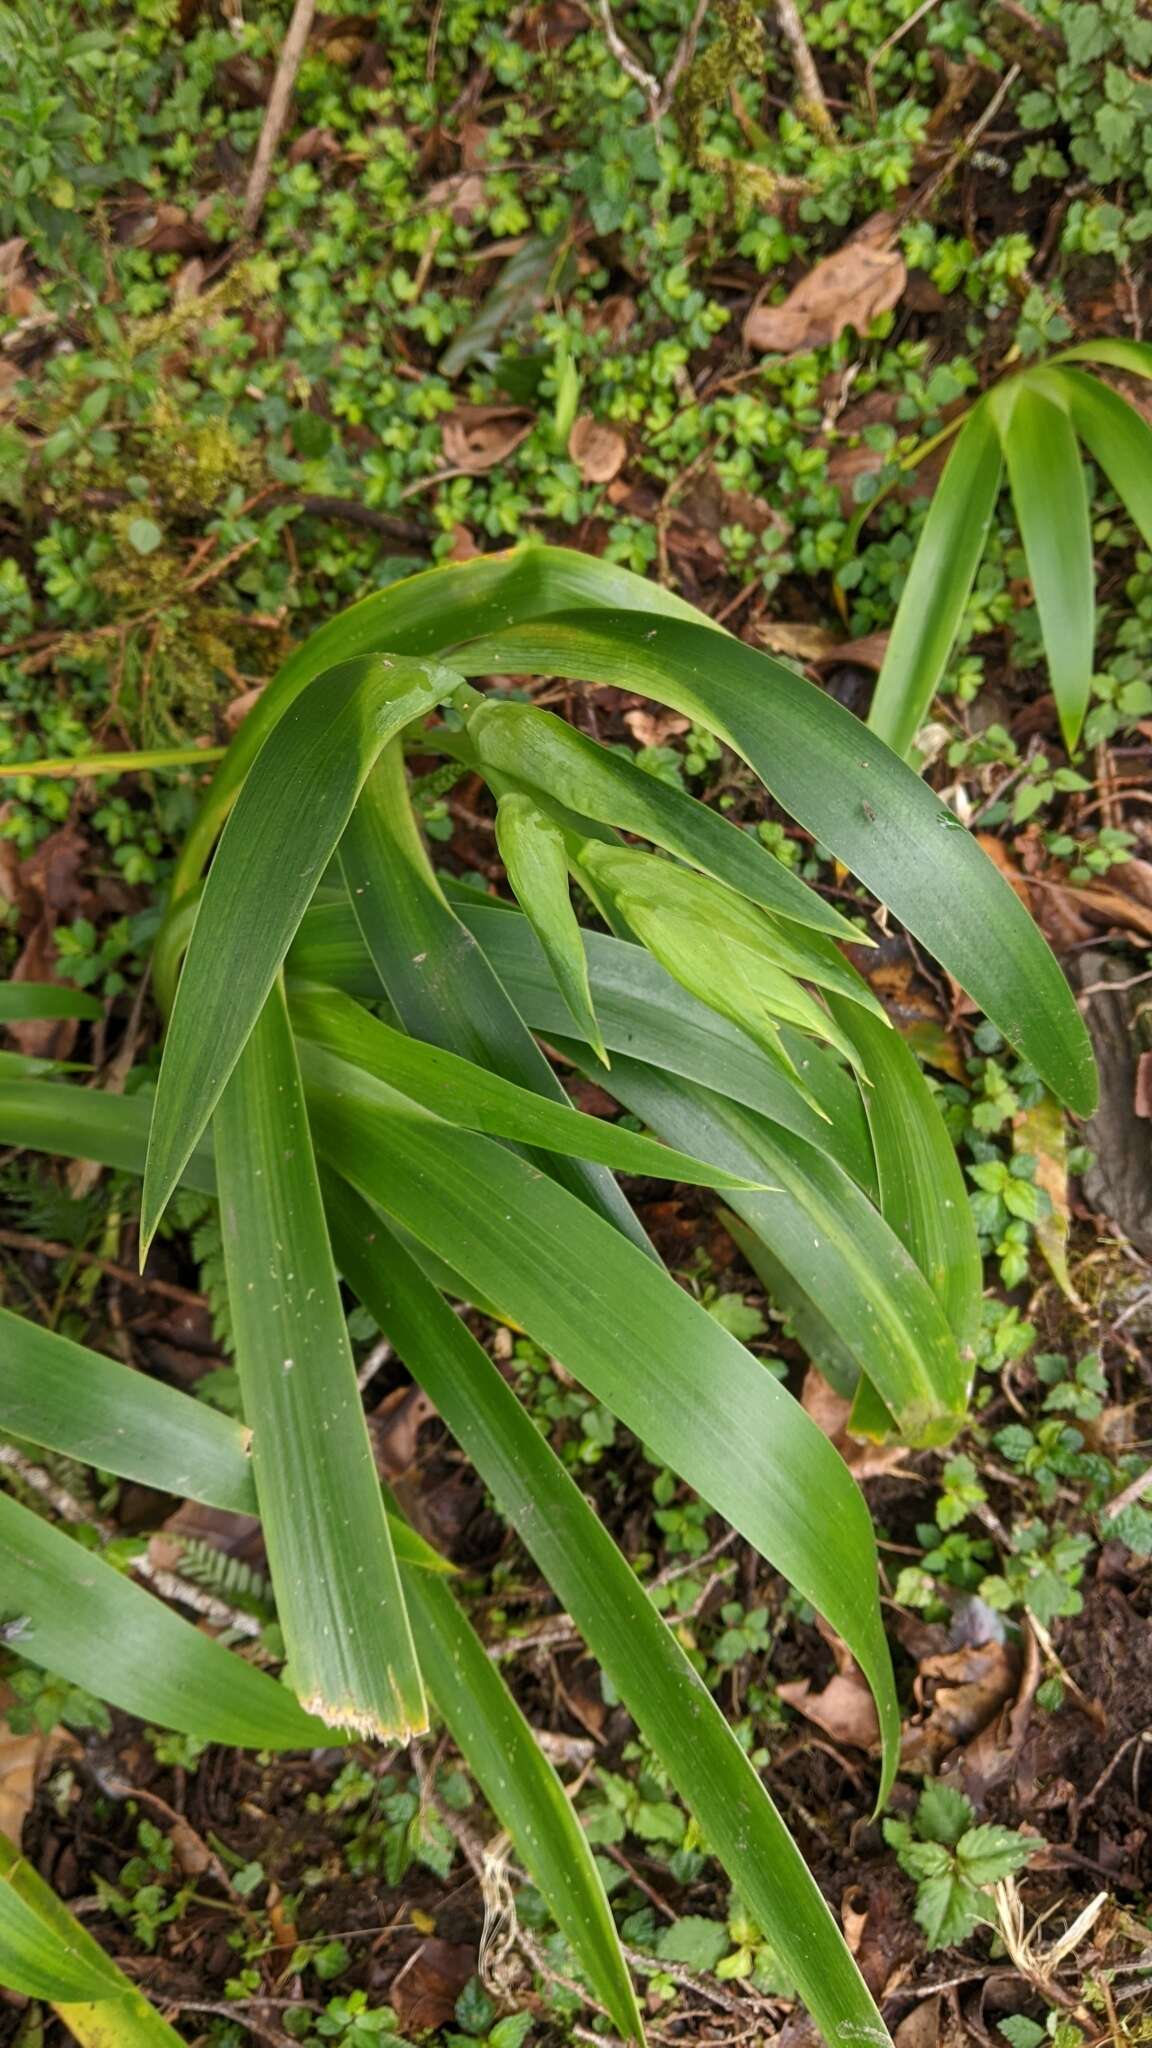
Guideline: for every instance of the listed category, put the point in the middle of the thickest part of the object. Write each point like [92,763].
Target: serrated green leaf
[989,1853]
[942,1813]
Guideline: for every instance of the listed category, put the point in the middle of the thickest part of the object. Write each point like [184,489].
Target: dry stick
[812,101]
[658,95]
[276,113]
[19,1241]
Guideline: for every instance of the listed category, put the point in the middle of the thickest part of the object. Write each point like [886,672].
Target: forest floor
[520,271]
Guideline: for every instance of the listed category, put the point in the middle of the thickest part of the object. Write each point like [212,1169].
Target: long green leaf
[843,785]
[68,1399]
[642,1658]
[541,751]
[635,999]
[280,837]
[334,1573]
[832,1242]
[533,850]
[420,615]
[1050,497]
[939,583]
[616,1321]
[523,1790]
[45,1953]
[1118,354]
[23,999]
[436,977]
[466,1094]
[93,1627]
[645,1662]
[1118,438]
[923,1196]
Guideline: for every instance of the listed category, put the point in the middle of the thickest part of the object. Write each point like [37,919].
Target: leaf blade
[645,1662]
[657,1359]
[1050,497]
[861,802]
[939,583]
[284,830]
[352,1658]
[91,1626]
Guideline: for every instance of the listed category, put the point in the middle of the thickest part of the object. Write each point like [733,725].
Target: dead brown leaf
[1142,1093]
[479,437]
[819,645]
[830,1411]
[804,642]
[962,1691]
[23,1762]
[424,1992]
[844,1709]
[921,2027]
[848,289]
[599,452]
[1041,1134]
[395,1427]
[653,728]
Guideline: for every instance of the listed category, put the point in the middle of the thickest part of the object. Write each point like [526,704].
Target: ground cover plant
[707,301]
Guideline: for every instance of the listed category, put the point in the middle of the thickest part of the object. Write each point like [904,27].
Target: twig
[19,1241]
[659,94]
[924,195]
[812,102]
[882,50]
[276,112]
[1135,1489]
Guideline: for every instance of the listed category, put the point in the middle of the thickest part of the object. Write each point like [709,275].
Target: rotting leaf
[479,437]
[599,452]
[1040,1134]
[850,288]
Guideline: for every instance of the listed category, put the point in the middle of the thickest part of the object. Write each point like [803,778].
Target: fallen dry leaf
[805,642]
[423,1994]
[820,646]
[921,2027]
[848,289]
[1041,1134]
[969,1687]
[395,1427]
[23,1761]
[1142,1092]
[653,728]
[598,452]
[478,437]
[830,1411]
[844,1709]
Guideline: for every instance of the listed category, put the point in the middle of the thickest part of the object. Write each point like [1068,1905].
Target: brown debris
[599,452]
[479,437]
[850,288]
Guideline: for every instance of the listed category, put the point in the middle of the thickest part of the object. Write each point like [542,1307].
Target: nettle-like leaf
[364,1065]
[1029,428]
